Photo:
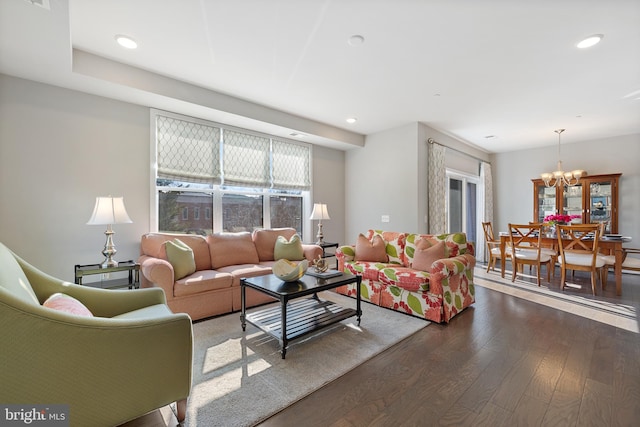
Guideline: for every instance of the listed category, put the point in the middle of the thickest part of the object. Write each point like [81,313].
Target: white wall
[388,176]
[329,188]
[59,149]
[513,171]
[382,179]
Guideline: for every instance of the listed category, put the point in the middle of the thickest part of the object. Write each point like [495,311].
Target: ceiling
[500,75]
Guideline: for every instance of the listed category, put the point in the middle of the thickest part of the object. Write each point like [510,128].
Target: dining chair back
[578,245]
[526,249]
[493,246]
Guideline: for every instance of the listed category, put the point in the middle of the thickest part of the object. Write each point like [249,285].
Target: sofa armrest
[311,252]
[453,279]
[157,272]
[344,254]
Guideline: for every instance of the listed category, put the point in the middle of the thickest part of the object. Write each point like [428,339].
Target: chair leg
[593,282]
[549,267]
[563,273]
[181,410]
[605,276]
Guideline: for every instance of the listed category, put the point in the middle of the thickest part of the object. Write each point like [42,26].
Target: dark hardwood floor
[503,362]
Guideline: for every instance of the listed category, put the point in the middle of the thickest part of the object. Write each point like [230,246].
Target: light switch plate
[385,218]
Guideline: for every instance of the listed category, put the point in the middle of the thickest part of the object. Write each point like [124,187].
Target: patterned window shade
[291,163]
[188,151]
[246,160]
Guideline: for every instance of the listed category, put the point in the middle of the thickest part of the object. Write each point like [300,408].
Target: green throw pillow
[288,249]
[181,258]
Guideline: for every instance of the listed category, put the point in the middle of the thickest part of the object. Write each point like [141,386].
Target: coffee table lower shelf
[303,316]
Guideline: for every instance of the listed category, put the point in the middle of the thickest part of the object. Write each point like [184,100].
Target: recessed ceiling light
[355,40]
[590,41]
[352,120]
[126,41]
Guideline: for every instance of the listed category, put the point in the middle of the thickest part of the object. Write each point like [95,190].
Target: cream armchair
[132,357]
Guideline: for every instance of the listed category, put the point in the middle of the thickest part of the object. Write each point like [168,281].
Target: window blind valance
[245,160]
[187,151]
[199,153]
[291,166]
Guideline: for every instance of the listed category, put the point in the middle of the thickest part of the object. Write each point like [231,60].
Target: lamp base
[319,236]
[109,250]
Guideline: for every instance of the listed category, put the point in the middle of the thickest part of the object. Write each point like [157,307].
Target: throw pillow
[372,251]
[425,255]
[288,249]
[180,256]
[68,304]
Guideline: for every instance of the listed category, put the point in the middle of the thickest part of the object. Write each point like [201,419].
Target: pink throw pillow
[68,304]
[425,255]
[372,251]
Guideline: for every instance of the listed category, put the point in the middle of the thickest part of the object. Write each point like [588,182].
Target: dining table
[610,245]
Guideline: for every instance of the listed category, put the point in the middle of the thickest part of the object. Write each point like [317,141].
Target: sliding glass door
[462,206]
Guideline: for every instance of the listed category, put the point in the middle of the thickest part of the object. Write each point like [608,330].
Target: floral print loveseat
[436,295]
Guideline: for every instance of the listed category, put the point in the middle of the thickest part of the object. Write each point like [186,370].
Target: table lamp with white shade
[108,211]
[319,213]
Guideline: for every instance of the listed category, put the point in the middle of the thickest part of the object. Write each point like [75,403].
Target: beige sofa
[221,259]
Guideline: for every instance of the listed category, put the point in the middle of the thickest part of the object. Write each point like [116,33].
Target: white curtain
[487,179]
[437,189]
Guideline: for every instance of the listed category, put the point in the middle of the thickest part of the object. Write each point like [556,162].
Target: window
[242,180]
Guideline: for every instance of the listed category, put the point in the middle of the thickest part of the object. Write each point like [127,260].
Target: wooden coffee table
[297,316]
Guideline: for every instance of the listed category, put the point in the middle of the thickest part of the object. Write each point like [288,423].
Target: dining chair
[549,249]
[493,246]
[526,249]
[629,263]
[578,245]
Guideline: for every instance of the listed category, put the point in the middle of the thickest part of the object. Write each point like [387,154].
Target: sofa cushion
[232,249]
[288,249]
[368,270]
[152,244]
[180,256]
[202,281]
[67,304]
[406,278]
[371,251]
[246,270]
[265,241]
[427,253]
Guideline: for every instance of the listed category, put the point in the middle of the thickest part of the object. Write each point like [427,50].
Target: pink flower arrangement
[555,219]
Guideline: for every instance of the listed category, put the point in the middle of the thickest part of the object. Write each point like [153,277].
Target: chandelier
[560,178]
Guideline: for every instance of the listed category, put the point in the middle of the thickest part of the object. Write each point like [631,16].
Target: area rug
[240,379]
[620,315]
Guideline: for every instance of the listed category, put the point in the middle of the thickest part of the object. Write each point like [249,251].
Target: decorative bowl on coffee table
[289,271]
